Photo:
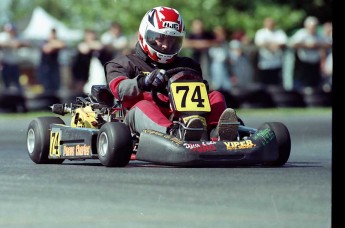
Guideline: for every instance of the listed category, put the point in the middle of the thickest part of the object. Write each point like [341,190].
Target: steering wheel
[193,74]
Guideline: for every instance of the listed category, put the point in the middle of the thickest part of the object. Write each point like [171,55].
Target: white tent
[41,24]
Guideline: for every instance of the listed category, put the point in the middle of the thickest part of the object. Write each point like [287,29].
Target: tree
[233,14]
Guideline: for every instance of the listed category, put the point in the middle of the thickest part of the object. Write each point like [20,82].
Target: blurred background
[259,54]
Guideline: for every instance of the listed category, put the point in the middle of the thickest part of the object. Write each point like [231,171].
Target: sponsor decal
[169,24]
[171,138]
[267,135]
[76,150]
[201,147]
[82,150]
[175,140]
[68,150]
[246,144]
[153,132]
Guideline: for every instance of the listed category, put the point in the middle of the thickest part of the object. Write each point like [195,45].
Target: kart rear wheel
[114,144]
[38,139]
[284,142]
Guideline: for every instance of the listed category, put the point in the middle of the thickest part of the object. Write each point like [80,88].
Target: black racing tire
[284,142]
[38,139]
[114,144]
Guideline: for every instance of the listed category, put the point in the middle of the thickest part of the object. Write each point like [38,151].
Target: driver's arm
[122,78]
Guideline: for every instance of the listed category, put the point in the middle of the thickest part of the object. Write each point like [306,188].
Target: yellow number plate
[190,96]
[55,137]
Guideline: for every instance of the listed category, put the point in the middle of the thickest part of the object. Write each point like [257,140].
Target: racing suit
[125,79]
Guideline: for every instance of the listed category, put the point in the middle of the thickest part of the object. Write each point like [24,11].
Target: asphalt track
[86,194]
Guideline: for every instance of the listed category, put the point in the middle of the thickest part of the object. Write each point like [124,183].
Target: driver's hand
[157,79]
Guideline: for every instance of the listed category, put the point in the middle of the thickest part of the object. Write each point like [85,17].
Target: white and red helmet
[161,23]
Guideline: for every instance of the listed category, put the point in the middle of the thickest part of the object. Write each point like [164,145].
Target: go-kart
[97,131]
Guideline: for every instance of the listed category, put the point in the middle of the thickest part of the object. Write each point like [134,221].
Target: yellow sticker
[190,96]
[54,149]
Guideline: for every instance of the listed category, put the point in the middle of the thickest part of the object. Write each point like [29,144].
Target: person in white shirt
[310,47]
[114,42]
[271,43]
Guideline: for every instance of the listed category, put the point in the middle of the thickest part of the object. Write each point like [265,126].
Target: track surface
[86,194]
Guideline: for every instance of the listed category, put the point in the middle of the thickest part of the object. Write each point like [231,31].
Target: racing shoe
[227,127]
[194,130]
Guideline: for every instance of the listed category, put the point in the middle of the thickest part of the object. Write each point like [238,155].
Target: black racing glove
[156,80]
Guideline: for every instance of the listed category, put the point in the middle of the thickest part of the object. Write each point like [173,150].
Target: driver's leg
[222,122]
[147,115]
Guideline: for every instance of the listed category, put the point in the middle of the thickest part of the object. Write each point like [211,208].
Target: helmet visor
[163,43]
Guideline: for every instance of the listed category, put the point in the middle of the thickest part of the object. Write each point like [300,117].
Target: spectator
[49,66]
[220,71]
[241,36]
[88,48]
[199,40]
[309,46]
[327,33]
[327,59]
[271,43]
[114,41]
[10,60]
[245,46]
[328,72]
[241,66]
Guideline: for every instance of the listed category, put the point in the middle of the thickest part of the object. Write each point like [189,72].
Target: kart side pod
[260,148]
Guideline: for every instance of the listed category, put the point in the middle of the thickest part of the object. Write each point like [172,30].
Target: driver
[160,38]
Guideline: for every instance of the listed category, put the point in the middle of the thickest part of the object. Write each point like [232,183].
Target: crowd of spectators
[227,59]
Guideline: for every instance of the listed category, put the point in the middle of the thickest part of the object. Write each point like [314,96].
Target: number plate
[54,148]
[190,97]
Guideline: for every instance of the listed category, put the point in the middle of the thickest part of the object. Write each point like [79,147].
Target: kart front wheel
[38,139]
[114,144]
[284,142]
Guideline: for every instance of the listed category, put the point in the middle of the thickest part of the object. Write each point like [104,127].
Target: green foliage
[246,15]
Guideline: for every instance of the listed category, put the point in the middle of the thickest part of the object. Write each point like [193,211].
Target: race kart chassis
[98,131]
[261,147]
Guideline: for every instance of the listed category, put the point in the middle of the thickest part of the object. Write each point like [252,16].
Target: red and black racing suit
[125,81]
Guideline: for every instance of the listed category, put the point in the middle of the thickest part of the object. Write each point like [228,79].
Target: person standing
[199,40]
[49,66]
[310,47]
[271,43]
[240,64]
[327,57]
[89,47]
[114,41]
[220,71]
[10,60]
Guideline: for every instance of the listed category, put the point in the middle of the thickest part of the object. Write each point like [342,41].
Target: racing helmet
[161,34]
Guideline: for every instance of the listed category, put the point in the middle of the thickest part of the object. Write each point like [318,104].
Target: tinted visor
[164,44]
